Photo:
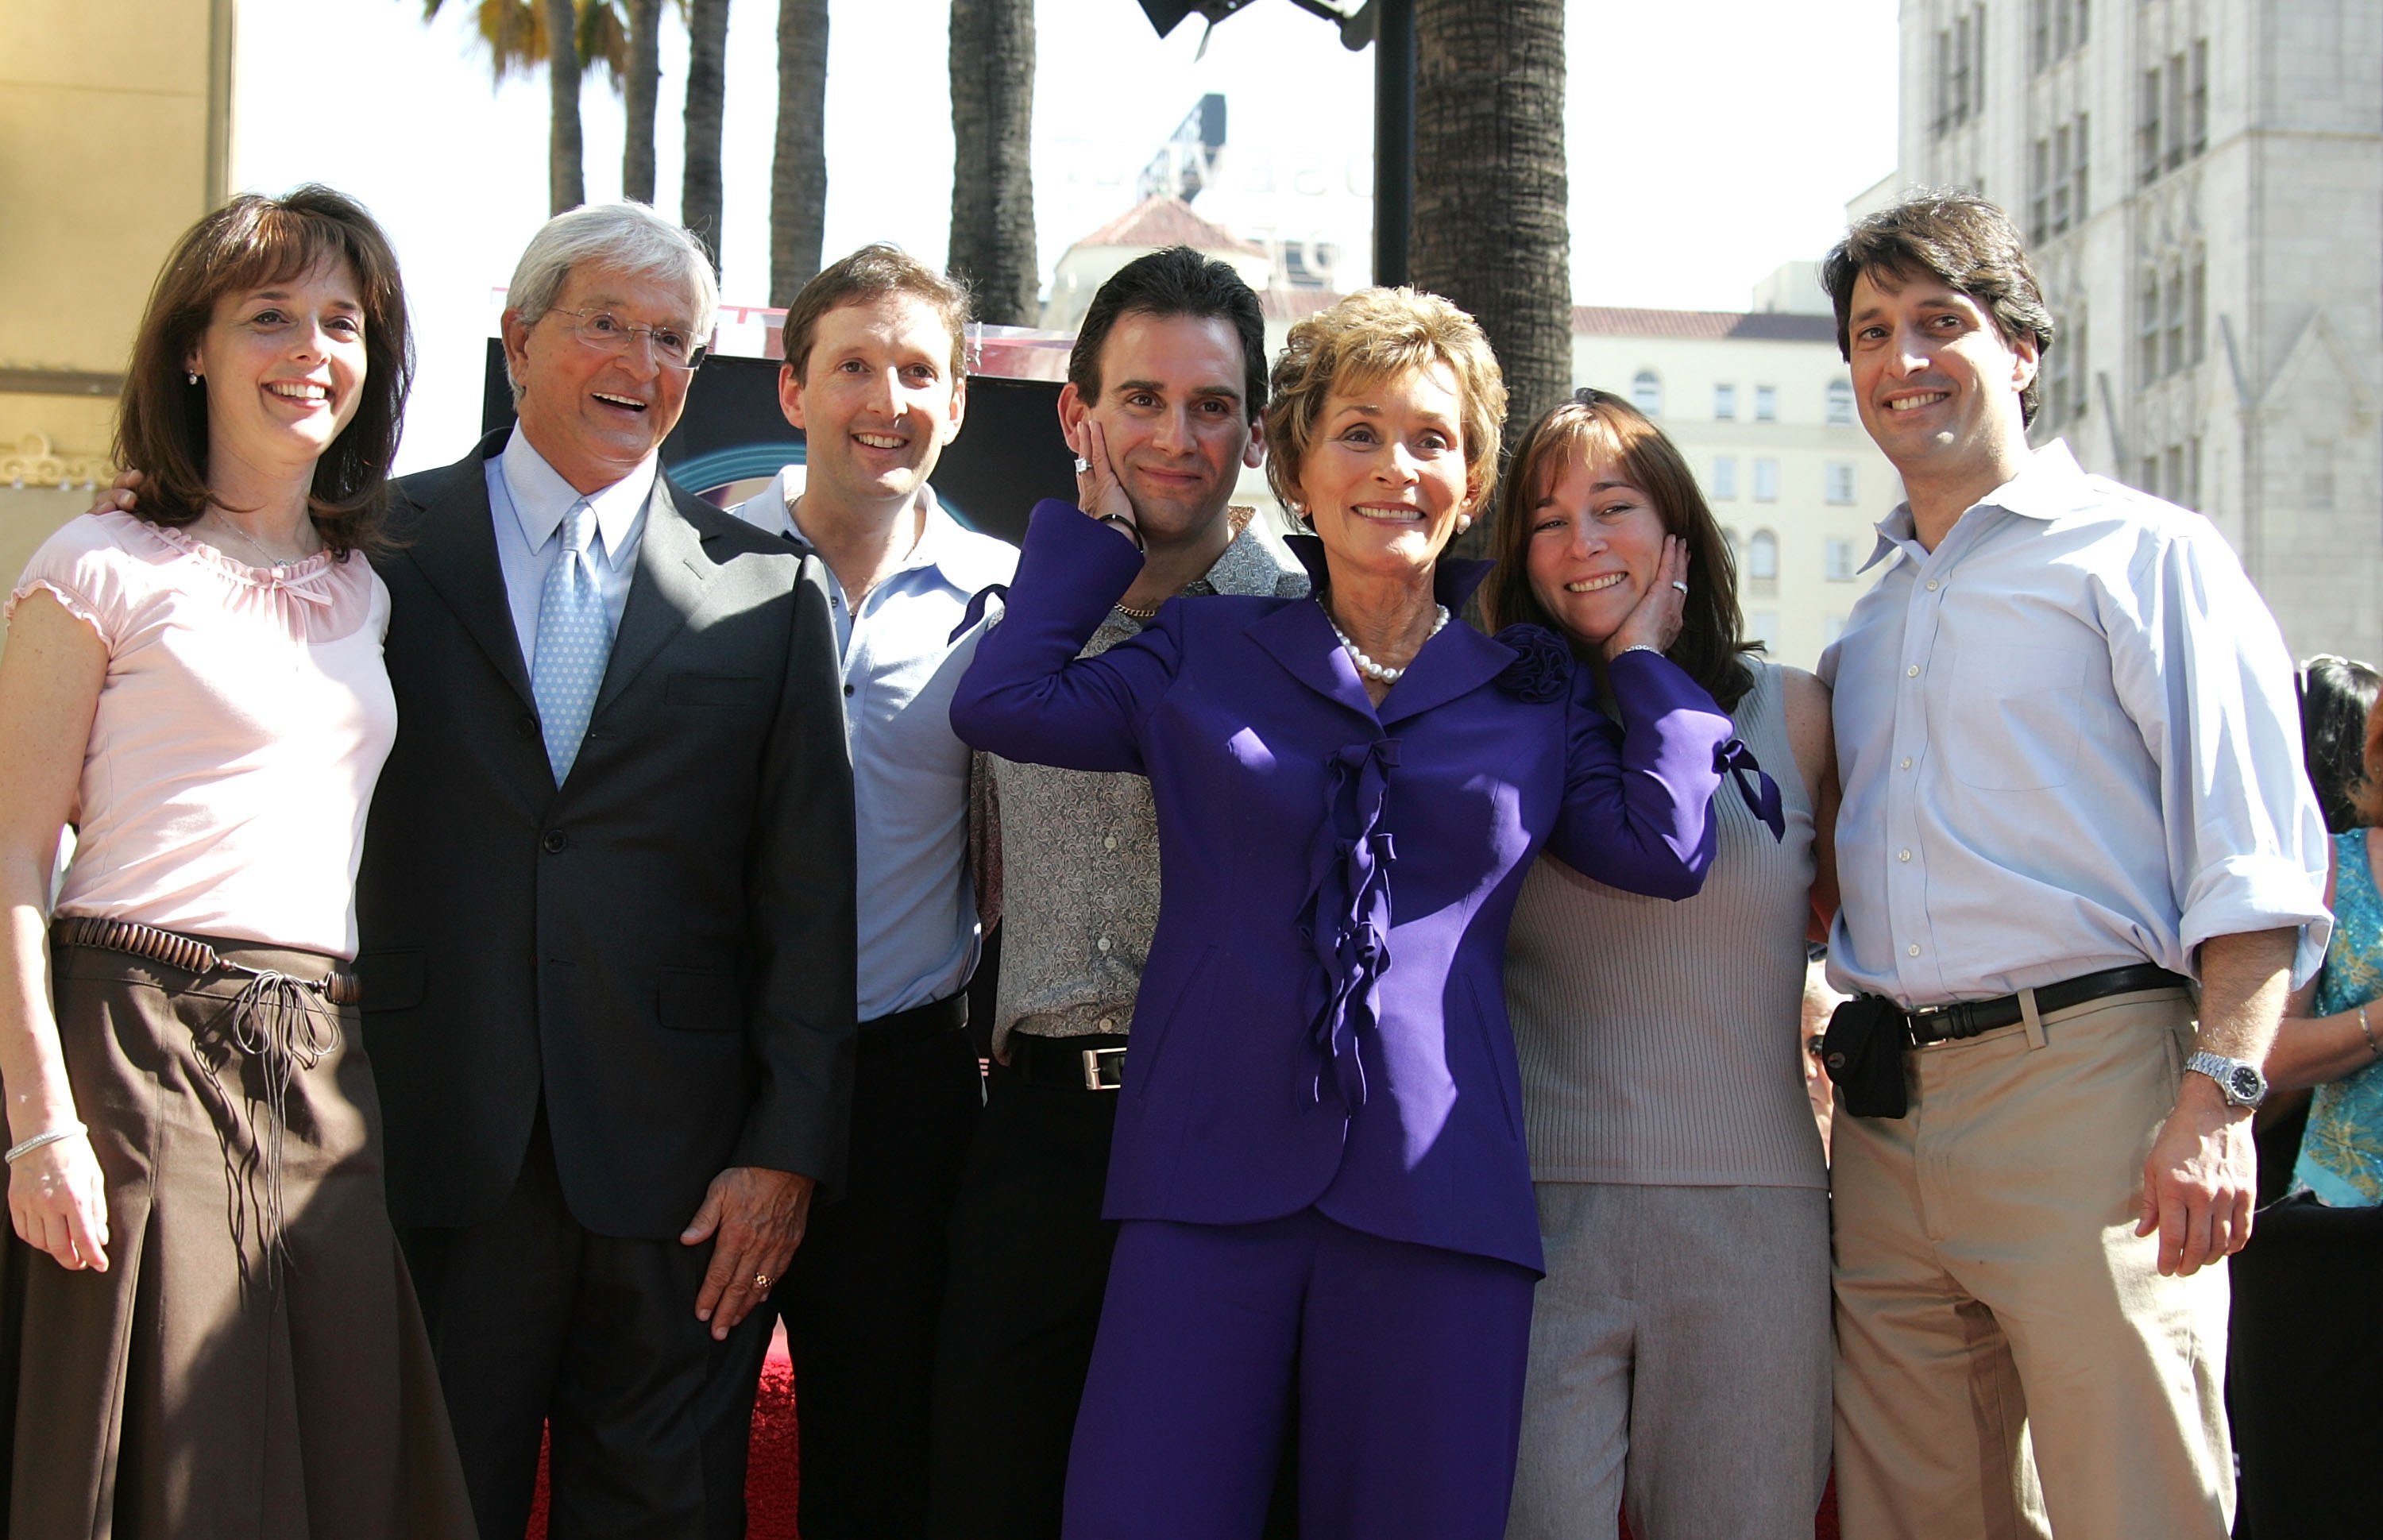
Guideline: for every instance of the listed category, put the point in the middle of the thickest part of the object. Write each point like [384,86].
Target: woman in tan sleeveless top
[1679,1350]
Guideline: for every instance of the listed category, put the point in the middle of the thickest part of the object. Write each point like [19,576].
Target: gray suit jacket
[661,949]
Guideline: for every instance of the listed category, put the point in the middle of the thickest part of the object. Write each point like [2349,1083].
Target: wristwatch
[2238,1080]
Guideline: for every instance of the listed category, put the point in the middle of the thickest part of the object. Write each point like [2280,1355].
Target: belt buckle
[1105,1069]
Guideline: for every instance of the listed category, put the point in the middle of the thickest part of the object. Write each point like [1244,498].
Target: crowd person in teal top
[2307,1348]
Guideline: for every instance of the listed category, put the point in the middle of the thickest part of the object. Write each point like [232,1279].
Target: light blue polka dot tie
[574,639]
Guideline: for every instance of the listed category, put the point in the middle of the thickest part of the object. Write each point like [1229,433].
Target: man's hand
[2201,1179]
[759,1215]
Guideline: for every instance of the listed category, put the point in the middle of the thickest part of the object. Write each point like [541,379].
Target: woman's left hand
[1656,620]
[1098,490]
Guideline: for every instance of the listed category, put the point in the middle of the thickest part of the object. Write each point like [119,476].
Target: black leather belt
[1085,1062]
[1970,1017]
[186,953]
[919,1023]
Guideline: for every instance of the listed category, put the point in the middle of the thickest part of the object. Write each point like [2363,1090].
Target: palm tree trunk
[706,93]
[1490,204]
[993,178]
[566,184]
[641,87]
[799,175]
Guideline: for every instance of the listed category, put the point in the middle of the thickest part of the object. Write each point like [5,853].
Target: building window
[1762,557]
[2172,126]
[2080,376]
[2039,33]
[2147,336]
[2039,190]
[1724,403]
[2060,190]
[2172,353]
[2172,483]
[2149,480]
[1840,403]
[2196,320]
[1838,481]
[2197,98]
[1837,562]
[2192,497]
[1646,393]
[2080,162]
[1766,403]
[2317,470]
[1724,477]
[2147,131]
[1766,480]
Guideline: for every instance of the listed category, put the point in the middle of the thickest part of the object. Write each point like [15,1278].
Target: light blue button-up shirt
[527,499]
[2069,742]
[918,914]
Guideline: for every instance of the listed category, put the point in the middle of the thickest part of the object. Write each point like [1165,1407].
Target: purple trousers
[1403,1364]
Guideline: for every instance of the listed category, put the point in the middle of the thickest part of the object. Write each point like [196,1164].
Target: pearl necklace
[1380,673]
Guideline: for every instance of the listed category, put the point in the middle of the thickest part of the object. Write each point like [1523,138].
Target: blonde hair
[1370,336]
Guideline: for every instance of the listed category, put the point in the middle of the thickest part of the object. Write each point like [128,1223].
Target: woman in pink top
[205,1327]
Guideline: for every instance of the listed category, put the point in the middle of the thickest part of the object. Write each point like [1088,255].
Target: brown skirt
[253,1363]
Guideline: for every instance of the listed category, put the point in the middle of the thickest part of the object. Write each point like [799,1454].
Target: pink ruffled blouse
[245,715]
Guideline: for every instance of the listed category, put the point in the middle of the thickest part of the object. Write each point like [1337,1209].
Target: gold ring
[761,1280]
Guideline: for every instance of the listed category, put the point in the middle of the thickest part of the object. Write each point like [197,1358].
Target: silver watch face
[2246,1082]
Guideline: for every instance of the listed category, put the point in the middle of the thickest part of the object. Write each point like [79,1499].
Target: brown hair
[1367,337]
[1964,243]
[871,273]
[1597,425]
[256,242]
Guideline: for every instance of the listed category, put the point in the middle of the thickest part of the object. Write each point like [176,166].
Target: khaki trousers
[2010,1363]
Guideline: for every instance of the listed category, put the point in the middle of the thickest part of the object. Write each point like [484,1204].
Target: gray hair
[630,237]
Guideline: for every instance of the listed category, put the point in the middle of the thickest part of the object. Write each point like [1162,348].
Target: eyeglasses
[607,333]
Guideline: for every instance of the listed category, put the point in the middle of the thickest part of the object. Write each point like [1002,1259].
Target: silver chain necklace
[1381,673]
[275,563]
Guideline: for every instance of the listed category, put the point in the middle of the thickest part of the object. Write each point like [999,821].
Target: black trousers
[2304,1360]
[861,1299]
[535,1320]
[1030,1263]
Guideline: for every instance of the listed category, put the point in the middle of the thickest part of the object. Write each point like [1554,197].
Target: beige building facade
[114,136]
[2201,182]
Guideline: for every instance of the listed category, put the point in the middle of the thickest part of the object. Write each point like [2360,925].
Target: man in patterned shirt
[1169,366]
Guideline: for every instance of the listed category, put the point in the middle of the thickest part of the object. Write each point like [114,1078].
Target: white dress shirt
[2069,742]
[527,499]
[918,920]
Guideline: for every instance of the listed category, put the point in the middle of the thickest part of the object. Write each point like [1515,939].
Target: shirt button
[1903,855]
[1913,950]
[1905,765]
[1105,1025]
[1103,943]
[1931,584]
[848,689]
[1109,843]
[555,841]
[1911,672]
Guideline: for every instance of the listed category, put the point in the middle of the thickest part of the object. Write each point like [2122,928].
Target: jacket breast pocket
[2012,721]
[392,980]
[713,692]
[694,1001]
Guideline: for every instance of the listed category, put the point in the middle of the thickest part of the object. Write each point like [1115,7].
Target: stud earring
[194,376]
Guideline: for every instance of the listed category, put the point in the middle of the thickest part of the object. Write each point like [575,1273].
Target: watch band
[2238,1080]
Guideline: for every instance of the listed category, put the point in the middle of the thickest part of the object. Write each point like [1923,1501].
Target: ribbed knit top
[1661,1043]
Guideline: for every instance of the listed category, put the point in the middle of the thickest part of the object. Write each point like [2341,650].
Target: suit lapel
[1297,637]
[453,545]
[1457,662]
[663,594]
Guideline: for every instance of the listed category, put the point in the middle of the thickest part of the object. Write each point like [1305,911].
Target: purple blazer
[1322,1019]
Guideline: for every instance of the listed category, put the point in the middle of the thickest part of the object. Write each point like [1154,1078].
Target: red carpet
[769,1481]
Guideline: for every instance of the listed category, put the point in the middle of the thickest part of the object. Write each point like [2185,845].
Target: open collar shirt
[918,918]
[2069,742]
[527,501]
[1080,853]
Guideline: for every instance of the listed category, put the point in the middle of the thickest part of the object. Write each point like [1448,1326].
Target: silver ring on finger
[1679,586]
[1083,465]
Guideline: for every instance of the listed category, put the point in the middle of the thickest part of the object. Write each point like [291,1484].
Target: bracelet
[1132,531]
[2373,1052]
[72,1131]
[1638,646]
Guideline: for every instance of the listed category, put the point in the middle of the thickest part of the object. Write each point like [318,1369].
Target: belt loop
[2035,1019]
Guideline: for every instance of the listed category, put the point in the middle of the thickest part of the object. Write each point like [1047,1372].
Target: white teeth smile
[299,391]
[1392,516]
[879,440]
[621,400]
[1592,585]
[1910,403]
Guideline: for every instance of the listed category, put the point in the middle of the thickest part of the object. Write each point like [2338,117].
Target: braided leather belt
[152,945]
[1970,1017]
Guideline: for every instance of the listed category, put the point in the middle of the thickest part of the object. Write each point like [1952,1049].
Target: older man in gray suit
[607,911]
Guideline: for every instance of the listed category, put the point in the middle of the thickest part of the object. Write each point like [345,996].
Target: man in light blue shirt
[874,378]
[2072,792]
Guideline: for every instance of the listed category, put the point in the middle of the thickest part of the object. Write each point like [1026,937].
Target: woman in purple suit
[1318,1162]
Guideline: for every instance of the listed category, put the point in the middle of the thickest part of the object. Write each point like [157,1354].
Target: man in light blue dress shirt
[2073,796]
[874,378]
